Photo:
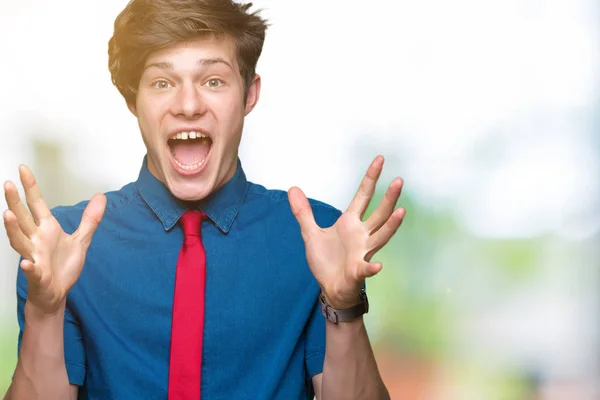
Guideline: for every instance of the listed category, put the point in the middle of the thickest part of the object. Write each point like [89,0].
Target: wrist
[345,313]
[342,300]
[35,313]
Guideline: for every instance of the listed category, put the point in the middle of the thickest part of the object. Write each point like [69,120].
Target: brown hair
[145,26]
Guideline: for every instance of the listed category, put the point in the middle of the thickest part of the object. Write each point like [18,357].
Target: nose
[189,102]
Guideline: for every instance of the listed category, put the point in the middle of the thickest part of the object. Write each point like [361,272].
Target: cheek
[150,114]
[231,127]
[230,112]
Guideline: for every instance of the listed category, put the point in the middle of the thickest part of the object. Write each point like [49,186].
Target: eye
[161,84]
[214,83]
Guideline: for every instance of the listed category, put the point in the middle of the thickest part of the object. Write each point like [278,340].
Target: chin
[190,191]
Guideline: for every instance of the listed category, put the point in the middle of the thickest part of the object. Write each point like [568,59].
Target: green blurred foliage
[8,350]
[434,272]
[411,320]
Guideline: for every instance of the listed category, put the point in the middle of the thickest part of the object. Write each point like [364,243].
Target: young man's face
[193,89]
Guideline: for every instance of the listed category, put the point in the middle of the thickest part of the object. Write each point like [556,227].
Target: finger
[32,272]
[35,201]
[383,235]
[363,196]
[369,269]
[386,207]
[13,200]
[16,237]
[92,215]
[302,211]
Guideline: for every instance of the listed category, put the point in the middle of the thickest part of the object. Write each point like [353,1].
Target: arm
[340,259]
[51,264]
[350,370]
[41,372]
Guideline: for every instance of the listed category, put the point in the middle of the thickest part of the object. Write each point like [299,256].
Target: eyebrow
[202,62]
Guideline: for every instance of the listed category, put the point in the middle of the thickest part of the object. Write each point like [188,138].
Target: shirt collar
[221,206]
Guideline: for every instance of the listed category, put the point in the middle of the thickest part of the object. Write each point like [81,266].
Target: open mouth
[190,149]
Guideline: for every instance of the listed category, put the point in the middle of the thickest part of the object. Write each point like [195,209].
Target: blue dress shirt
[264,336]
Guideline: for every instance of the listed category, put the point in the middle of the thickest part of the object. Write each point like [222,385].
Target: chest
[124,297]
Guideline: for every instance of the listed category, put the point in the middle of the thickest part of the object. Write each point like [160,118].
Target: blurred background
[489,110]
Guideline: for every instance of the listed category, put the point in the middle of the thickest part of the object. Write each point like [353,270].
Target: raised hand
[52,260]
[339,256]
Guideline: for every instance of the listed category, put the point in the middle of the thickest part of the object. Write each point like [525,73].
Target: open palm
[52,259]
[340,256]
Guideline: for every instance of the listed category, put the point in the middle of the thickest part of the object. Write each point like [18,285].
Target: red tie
[188,312]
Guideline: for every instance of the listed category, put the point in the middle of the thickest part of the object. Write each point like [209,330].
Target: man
[197,282]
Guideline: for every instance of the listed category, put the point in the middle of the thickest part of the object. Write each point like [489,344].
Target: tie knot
[191,222]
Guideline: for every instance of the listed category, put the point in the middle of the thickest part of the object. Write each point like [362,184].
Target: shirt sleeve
[73,339]
[314,350]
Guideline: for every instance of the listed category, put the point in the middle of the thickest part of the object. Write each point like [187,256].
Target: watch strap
[347,314]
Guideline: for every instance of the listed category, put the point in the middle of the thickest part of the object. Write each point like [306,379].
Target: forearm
[41,371]
[350,370]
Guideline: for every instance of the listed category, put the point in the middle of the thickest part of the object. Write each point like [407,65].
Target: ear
[132,109]
[253,94]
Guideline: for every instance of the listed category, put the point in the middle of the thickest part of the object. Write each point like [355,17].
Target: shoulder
[276,202]
[69,216]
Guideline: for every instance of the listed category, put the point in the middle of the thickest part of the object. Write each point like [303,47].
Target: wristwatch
[347,314]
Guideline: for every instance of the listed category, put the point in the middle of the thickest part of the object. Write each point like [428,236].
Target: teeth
[189,167]
[190,135]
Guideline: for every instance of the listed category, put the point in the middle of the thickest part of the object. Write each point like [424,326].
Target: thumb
[92,215]
[367,270]
[302,211]
[32,271]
